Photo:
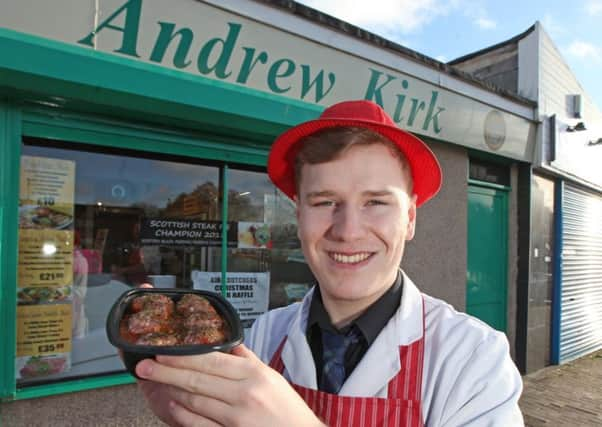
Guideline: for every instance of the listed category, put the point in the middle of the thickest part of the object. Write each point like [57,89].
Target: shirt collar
[371,322]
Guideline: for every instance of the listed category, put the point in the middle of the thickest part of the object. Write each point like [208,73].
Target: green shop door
[486,275]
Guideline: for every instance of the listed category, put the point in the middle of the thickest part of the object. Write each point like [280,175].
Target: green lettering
[400,102]
[165,37]
[318,81]
[130,30]
[275,72]
[397,115]
[227,47]
[249,63]
[373,92]
[433,117]
[416,107]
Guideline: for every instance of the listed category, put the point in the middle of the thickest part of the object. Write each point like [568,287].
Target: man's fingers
[189,380]
[215,363]
[190,409]
[242,351]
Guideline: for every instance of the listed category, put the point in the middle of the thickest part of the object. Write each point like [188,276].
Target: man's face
[354,216]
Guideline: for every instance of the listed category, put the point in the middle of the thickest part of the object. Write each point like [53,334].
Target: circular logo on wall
[494,130]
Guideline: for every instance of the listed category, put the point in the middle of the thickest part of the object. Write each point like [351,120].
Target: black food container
[133,353]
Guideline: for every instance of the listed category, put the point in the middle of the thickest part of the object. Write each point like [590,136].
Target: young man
[365,347]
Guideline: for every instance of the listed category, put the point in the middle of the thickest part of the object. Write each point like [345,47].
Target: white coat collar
[380,363]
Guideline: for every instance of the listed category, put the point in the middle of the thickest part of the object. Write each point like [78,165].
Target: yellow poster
[43,329]
[46,192]
[46,208]
[45,259]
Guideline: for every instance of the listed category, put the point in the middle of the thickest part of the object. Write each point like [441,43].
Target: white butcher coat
[468,379]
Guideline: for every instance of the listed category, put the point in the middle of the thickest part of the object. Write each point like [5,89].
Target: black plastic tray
[132,353]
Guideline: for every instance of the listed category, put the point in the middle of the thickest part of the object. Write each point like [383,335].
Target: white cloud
[385,16]
[485,23]
[585,50]
[441,58]
[593,7]
[476,11]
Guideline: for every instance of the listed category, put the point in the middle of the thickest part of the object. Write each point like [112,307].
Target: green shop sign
[214,59]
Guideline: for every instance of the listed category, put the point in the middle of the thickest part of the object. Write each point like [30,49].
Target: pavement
[565,395]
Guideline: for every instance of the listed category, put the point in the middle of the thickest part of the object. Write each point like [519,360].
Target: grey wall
[498,67]
[436,258]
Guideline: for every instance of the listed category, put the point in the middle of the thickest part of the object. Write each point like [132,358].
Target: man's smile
[355,258]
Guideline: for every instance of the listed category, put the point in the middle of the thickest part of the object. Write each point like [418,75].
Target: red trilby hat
[426,172]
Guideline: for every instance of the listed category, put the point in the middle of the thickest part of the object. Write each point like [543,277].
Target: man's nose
[347,223]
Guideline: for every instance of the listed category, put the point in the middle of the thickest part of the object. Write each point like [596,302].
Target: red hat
[426,172]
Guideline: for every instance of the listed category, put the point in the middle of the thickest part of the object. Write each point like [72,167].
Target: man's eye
[325,203]
[374,202]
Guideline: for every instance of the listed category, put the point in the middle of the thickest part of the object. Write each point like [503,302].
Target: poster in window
[183,232]
[248,292]
[254,235]
[46,207]
[45,267]
[46,193]
[43,340]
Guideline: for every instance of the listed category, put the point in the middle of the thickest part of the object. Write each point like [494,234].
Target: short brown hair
[331,143]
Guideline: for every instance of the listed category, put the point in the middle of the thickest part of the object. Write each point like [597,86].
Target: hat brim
[425,169]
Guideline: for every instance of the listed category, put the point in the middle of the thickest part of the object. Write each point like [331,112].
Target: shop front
[134,138]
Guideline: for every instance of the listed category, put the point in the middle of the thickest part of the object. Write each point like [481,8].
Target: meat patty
[203,319]
[204,336]
[146,322]
[191,303]
[161,305]
[157,339]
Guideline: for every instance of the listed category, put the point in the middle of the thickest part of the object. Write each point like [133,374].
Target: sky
[448,29]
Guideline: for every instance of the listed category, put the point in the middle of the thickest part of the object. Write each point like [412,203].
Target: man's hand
[219,389]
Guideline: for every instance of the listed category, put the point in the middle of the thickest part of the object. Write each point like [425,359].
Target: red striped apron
[401,407]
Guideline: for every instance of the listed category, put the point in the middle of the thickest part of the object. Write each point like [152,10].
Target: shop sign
[182,232]
[248,292]
[204,40]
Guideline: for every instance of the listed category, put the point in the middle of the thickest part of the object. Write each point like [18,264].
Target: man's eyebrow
[314,194]
[367,193]
[378,193]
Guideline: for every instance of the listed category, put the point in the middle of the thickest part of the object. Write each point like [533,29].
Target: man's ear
[411,227]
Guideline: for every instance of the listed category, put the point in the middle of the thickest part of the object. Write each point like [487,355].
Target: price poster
[45,258]
[47,183]
[43,340]
[45,269]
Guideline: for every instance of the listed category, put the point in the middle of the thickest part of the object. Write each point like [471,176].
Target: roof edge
[336,24]
[493,47]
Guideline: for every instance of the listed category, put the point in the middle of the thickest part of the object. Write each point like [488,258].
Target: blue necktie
[334,348]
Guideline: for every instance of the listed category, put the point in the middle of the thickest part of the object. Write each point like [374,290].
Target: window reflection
[115,199]
[268,247]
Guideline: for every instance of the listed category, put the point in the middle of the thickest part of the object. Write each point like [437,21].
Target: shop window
[486,171]
[265,267]
[94,222]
